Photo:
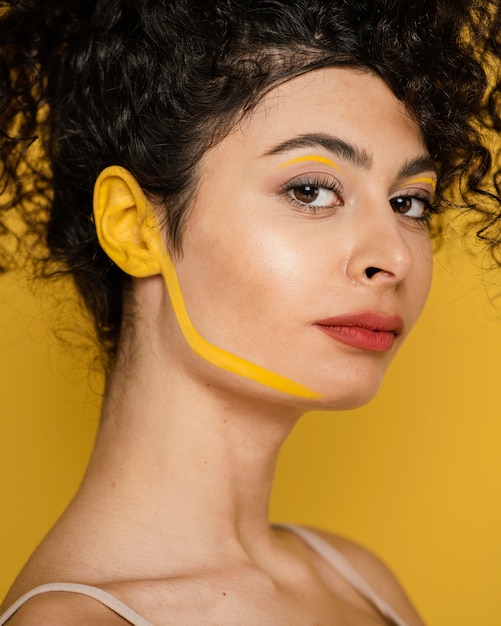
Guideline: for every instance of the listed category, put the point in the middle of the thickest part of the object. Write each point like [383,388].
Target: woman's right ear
[126,224]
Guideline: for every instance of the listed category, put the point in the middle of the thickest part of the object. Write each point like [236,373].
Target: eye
[412,206]
[313,193]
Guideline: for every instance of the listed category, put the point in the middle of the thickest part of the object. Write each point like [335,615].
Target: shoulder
[376,574]
[63,608]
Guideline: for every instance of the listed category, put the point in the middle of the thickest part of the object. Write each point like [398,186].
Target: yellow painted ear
[125,221]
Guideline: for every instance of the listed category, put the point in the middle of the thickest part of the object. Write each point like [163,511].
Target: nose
[380,250]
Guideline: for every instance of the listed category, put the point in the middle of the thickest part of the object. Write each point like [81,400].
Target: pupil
[403,204]
[306,193]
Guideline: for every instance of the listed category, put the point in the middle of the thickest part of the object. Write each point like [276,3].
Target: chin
[351,398]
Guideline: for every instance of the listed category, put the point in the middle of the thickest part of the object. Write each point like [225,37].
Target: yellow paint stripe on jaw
[424,179]
[221,358]
[311,157]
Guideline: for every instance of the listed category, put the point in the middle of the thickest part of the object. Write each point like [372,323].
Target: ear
[125,221]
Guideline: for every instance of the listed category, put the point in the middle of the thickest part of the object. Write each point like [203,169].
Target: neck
[190,467]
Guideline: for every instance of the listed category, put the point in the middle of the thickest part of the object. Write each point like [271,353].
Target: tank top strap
[105,598]
[310,538]
[332,556]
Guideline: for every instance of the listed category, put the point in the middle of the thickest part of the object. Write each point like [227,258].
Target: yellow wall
[415,475]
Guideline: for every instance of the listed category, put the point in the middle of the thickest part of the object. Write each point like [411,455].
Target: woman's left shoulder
[376,574]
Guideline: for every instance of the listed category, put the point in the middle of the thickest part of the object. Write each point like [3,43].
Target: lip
[367,330]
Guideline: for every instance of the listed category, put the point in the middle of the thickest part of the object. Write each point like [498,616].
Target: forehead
[355,106]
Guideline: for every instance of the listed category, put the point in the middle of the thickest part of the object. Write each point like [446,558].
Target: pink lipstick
[367,330]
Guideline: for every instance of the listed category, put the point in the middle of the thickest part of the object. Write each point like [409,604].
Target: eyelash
[320,182]
[430,207]
[329,184]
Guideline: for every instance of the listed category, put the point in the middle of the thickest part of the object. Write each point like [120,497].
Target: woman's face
[305,252]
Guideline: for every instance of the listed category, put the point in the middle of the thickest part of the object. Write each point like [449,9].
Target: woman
[262,177]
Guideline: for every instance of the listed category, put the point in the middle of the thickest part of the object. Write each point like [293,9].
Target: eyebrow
[337,146]
[417,166]
[349,152]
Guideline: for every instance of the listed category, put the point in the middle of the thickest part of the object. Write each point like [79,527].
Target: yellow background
[415,475]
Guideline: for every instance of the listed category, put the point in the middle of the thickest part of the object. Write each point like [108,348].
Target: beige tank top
[312,539]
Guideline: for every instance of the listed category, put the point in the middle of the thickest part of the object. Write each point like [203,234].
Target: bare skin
[172,514]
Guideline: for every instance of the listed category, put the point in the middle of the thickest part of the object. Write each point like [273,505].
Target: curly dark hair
[487,214]
[152,84]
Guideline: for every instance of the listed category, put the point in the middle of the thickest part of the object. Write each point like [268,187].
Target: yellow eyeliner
[311,157]
[424,179]
[221,358]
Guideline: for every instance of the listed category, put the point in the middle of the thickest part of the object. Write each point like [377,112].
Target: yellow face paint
[221,358]
[311,157]
[424,179]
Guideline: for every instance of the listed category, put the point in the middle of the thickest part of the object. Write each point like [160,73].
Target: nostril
[371,271]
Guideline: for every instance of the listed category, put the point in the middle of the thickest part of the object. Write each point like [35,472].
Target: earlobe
[125,222]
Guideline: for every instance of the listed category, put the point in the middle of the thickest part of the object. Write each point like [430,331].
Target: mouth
[368,330]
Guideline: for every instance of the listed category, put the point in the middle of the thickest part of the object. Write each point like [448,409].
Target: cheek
[427,267]
[233,280]
[422,277]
